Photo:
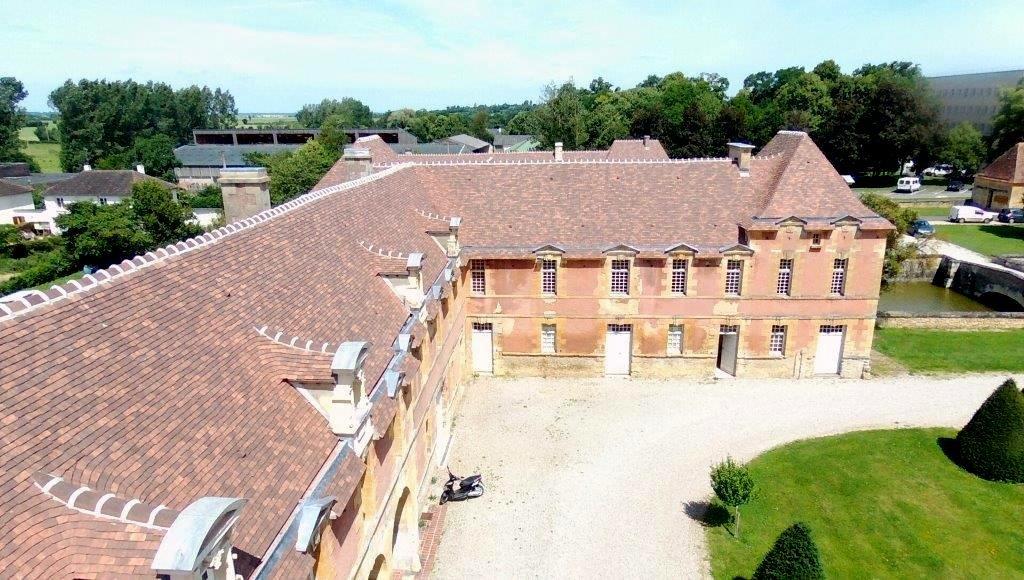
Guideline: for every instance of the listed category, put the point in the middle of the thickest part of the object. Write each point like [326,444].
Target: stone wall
[952,320]
[919,269]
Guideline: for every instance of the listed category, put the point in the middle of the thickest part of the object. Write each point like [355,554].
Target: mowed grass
[880,504]
[949,351]
[991,240]
[932,212]
[47,155]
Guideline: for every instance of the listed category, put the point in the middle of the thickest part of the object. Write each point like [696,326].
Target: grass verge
[950,351]
[991,240]
[881,504]
[47,155]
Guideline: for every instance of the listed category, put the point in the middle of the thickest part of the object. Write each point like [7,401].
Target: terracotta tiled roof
[98,182]
[157,384]
[11,188]
[1007,167]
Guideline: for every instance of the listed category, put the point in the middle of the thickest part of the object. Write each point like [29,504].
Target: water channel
[925,297]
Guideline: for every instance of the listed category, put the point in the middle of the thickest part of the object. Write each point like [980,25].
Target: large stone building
[973,97]
[1000,184]
[270,399]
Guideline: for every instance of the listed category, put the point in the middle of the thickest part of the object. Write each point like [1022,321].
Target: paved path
[593,478]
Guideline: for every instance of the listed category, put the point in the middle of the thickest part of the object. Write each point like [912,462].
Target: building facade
[1000,184]
[973,97]
[271,399]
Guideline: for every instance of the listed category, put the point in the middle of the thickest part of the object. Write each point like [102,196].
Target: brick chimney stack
[246,192]
[647,142]
[358,163]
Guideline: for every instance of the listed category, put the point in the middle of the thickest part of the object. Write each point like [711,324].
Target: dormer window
[679,267]
[620,277]
[815,240]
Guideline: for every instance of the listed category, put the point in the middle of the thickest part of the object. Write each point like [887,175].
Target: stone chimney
[414,265]
[358,163]
[453,237]
[141,168]
[740,154]
[558,151]
[647,142]
[246,192]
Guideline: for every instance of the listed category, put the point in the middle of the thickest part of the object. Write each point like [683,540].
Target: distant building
[289,136]
[201,165]
[506,142]
[972,97]
[15,200]
[98,186]
[1000,184]
[463,143]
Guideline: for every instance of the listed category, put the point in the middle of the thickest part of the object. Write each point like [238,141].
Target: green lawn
[991,240]
[46,154]
[949,351]
[932,212]
[880,504]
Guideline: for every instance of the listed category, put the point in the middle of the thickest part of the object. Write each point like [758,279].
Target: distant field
[279,120]
[46,154]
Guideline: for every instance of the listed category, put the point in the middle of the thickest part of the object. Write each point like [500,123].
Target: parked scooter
[462,488]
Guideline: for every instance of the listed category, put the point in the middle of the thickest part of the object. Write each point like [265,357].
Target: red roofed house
[270,399]
[1000,184]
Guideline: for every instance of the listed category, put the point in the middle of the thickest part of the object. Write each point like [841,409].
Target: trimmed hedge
[991,445]
[794,556]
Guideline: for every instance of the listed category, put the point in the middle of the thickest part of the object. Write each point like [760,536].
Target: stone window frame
[548,338]
[478,277]
[730,281]
[548,275]
[784,282]
[678,285]
[840,273]
[623,263]
[777,340]
[674,339]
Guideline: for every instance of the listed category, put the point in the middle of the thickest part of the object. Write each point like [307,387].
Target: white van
[969,213]
[908,184]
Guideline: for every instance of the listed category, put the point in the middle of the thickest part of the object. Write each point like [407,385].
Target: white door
[483,348]
[617,349]
[830,349]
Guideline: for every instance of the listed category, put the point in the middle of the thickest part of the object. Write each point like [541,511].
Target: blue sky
[275,55]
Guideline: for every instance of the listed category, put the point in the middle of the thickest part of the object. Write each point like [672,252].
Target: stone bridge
[997,286]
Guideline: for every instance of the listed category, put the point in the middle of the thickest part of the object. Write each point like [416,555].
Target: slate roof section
[100,182]
[470,142]
[507,140]
[221,155]
[1008,167]
[9,188]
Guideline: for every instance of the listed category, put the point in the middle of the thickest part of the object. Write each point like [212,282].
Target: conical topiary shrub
[991,445]
[793,557]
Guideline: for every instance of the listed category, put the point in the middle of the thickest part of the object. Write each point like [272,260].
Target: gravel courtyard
[599,477]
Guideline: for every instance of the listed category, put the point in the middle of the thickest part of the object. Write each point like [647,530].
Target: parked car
[939,170]
[969,213]
[921,228]
[908,184]
[955,186]
[1011,216]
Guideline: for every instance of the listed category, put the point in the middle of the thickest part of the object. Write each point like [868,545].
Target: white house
[98,186]
[15,201]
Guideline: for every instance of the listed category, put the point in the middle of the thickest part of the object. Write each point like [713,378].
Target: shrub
[991,445]
[49,267]
[794,556]
[733,485]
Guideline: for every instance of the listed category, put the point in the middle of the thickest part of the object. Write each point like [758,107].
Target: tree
[794,556]
[12,117]
[332,133]
[101,235]
[1008,124]
[478,125]
[524,123]
[991,445]
[165,220]
[295,173]
[964,148]
[353,113]
[806,102]
[156,153]
[562,118]
[100,121]
[733,485]
[896,252]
